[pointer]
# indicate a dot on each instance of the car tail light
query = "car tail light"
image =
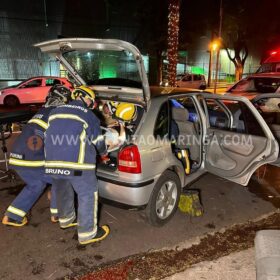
(129, 160)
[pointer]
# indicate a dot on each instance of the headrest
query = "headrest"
(180, 114)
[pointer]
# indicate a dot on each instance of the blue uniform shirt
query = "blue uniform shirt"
(28, 149)
(73, 139)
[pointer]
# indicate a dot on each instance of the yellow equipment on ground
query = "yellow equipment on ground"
(189, 203)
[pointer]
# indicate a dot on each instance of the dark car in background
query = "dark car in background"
(256, 84)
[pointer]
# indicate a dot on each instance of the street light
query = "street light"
(213, 46)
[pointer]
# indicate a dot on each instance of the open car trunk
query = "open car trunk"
(114, 68)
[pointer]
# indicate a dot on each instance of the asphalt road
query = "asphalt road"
(42, 250)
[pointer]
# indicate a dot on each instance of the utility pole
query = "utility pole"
(210, 47)
(220, 40)
(209, 68)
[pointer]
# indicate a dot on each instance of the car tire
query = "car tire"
(163, 205)
(11, 101)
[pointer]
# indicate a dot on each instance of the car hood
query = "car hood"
(126, 89)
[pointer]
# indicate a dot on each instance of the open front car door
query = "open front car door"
(237, 140)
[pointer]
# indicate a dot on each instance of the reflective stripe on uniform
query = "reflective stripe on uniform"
(68, 116)
(29, 163)
(67, 220)
(53, 211)
(91, 234)
(82, 147)
(71, 165)
(88, 234)
(16, 211)
(95, 209)
(98, 138)
(39, 122)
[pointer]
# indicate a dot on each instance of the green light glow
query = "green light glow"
(108, 67)
(197, 70)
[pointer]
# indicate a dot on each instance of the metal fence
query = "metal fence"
(224, 75)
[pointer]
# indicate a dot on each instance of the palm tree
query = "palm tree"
(172, 39)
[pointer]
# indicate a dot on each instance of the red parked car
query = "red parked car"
(33, 90)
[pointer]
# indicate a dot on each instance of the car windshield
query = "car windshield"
(257, 84)
(105, 67)
(267, 67)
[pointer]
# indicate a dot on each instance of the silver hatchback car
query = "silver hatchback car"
(222, 135)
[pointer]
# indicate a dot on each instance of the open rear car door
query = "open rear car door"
(268, 105)
(237, 139)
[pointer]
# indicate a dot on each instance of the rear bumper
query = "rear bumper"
(128, 193)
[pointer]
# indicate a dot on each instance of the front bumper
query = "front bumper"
(133, 194)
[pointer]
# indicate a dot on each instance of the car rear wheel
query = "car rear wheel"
(11, 101)
(164, 199)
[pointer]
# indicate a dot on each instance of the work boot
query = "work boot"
(102, 233)
(11, 222)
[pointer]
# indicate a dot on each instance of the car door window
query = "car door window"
(187, 78)
(162, 123)
(52, 82)
(232, 116)
(33, 83)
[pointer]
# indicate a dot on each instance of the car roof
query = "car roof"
(167, 91)
(265, 75)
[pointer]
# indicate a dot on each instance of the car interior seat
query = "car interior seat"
(186, 132)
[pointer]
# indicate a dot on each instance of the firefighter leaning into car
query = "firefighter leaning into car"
(72, 140)
(28, 159)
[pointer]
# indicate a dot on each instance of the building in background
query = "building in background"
(24, 23)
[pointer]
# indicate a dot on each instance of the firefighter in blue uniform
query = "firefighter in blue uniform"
(28, 159)
(73, 139)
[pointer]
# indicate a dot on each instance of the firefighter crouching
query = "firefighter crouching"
(72, 139)
(28, 159)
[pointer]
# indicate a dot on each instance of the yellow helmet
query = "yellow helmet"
(125, 112)
(83, 92)
(112, 105)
